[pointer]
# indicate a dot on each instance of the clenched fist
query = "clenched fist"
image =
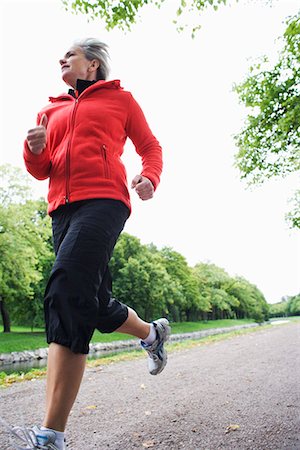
(37, 137)
(143, 187)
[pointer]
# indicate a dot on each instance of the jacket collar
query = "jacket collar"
(82, 85)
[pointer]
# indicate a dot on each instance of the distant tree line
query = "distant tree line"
(289, 306)
(160, 282)
(154, 282)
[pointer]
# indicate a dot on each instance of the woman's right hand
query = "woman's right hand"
(37, 137)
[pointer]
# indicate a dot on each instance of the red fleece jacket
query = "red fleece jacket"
(85, 142)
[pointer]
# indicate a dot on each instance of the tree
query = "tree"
(289, 306)
(127, 247)
(143, 284)
(279, 309)
(38, 236)
(293, 217)
(213, 284)
(26, 258)
(123, 13)
(140, 279)
(252, 303)
(14, 185)
(189, 304)
(269, 143)
(25, 249)
(293, 306)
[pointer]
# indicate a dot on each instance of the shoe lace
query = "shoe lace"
(24, 436)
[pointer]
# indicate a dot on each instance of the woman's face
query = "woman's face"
(74, 65)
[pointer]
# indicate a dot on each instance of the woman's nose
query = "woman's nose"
(62, 61)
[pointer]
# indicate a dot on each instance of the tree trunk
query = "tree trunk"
(5, 316)
(188, 315)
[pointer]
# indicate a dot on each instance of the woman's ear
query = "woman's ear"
(94, 65)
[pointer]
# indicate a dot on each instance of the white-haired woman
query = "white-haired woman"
(77, 144)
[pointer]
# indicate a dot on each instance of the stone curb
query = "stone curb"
(109, 347)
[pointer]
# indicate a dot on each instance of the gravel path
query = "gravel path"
(242, 393)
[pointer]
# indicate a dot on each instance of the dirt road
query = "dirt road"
(242, 393)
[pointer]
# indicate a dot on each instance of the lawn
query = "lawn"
(21, 338)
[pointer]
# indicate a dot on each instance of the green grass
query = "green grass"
(20, 329)
(21, 338)
(18, 341)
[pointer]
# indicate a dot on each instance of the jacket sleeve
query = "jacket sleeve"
(145, 143)
(37, 165)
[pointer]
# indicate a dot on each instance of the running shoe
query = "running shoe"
(157, 355)
(22, 438)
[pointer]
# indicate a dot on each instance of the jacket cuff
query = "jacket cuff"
(153, 178)
(32, 157)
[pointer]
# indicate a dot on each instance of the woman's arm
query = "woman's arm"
(145, 143)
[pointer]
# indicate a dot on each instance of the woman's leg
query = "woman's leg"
(135, 326)
(153, 336)
(64, 375)
(83, 248)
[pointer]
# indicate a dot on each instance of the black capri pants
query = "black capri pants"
(78, 296)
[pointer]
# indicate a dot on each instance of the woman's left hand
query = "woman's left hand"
(143, 187)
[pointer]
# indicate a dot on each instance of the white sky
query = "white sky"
(201, 209)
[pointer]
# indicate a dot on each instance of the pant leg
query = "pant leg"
(112, 313)
(86, 238)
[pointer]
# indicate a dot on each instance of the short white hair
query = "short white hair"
(95, 49)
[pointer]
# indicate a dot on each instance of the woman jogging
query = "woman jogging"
(77, 144)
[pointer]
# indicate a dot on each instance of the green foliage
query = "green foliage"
(293, 217)
(289, 306)
(212, 285)
(25, 248)
(269, 144)
(293, 306)
(160, 283)
(278, 309)
(251, 301)
(26, 257)
(230, 297)
(14, 186)
(140, 279)
(123, 14)
(188, 302)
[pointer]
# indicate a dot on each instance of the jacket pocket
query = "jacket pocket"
(105, 161)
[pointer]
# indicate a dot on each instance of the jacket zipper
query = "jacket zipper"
(67, 198)
(104, 154)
